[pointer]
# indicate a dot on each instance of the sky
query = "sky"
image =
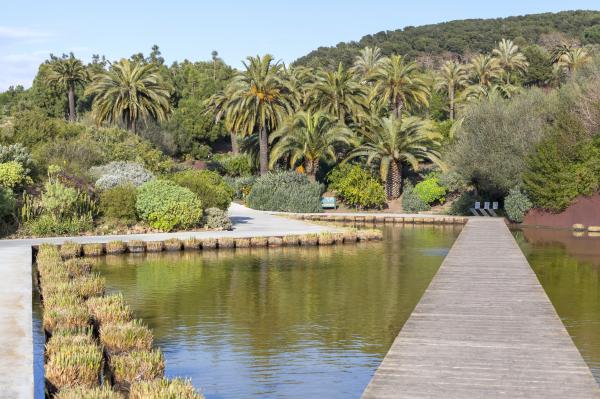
(31, 30)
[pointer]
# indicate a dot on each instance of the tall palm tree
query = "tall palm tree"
(338, 93)
(510, 58)
(571, 58)
(130, 92)
(220, 104)
(260, 99)
(369, 59)
(310, 137)
(394, 143)
(69, 72)
(452, 78)
(400, 84)
(485, 69)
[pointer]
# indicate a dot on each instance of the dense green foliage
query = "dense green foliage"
(167, 206)
(13, 175)
(286, 192)
(241, 186)
(233, 165)
(216, 219)
(118, 203)
(516, 205)
(7, 210)
(357, 187)
(462, 36)
(412, 202)
(430, 190)
(209, 186)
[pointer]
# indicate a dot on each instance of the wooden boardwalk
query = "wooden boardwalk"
(483, 329)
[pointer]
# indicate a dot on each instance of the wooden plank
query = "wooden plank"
(483, 329)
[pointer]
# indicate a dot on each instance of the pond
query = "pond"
(281, 322)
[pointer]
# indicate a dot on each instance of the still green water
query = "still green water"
(568, 266)
(285, 322)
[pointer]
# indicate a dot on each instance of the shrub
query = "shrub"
(234, 165)
(452, 181)
(209, 186)
(241, 185)
(13, 175)
(163, 389)
(411, 202)
(18, 153)
(119, 173)
(463, 204)
(516, 205)
(58, 200)
(166, 206)
(7, 210)
(286, 192)
(46, 225)
(357, 187)
(430, 191)
(119, 203)
(216, 219)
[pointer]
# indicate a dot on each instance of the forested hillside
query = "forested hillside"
(467, 36)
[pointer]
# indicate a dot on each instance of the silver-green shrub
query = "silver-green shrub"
(216, 219)
(516, 205)
(119, 173)
(285, 192)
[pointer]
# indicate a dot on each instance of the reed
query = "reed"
(309, 239)
(173, 244)
(192, 243)
(338, 238)
(292, 240)
(89, 286)
(70, 317)
(163, 388)
(124, 337)
(209, 243)
(70, 250)
(136, 246)
(350, 236)
(275, 241)
(259, 241)
(109, 309)
(116, 247)
(68, 338)
(126, 368)
(93, 249)
(154, 246)
(103, 392)
(226, 242)
(74, 365)
(77, 267)
(325, 239)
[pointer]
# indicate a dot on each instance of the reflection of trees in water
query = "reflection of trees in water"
(344, 296)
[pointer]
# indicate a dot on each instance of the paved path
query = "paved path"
(16, 343)
(483, 329)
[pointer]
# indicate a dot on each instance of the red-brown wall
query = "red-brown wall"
(585, 210)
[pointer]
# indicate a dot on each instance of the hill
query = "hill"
(462, 37)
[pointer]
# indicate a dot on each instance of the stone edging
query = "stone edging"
(382, 219)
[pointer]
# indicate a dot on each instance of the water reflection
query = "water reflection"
(286, 322)
(568, 268)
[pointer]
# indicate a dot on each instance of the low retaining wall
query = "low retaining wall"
(584, 211)
(382, 219)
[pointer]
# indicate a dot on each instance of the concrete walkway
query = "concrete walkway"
(483, 329)
(16, 342)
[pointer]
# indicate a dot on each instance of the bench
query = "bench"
(328, 203)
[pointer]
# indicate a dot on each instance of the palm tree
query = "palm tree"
(452, 78)
(571, 58)
(485, 69)
(394, 143)
(369, 59)
(310, 137)
(338, 93)
(259, 101)
(400, 84)
(220, 103)
(510, 58)
(69, 72)
(130, 92)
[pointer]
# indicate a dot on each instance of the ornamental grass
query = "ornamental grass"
(109, 309)
(67, 338)
(326, 239)
(226, 242)
(70, 250)
(292, 240)
(209, 243)
(154, 246)
(192, 243)
(74, 365)
(78, 267)
(71, 317)
(89, 286)
(136, 246)
(116, 247)
(103, 392)
(173, 244)
(259, 241)
(93, 249)
(309, 239)
(176, 388)
(124, 337)
(133, 366)
(57, 285)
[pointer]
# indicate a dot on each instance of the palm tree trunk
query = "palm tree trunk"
(451, 97)
(394, 180)
(71, 103)
(398, 104)
(263, 143)
(235, 147)
(311, 166)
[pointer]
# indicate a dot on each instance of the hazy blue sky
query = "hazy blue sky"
(30, 30)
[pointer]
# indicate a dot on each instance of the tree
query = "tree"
(400, 84)
(221, 104)
(310, 137)
(485, 69)
(369, 59)
(451, 78)
(130, 92)
(259, 101)
(539, 72)
(510, 58)
(394, 143)
(68, 72)
(338, 93)
(570, 58)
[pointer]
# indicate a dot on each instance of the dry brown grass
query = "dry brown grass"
(74, 365)
(103, 392)
(70, 250)
(109, 309)
(93, 249)
(154, 246)
(116, 247)
(124, 337)
(163, 389)
(173, 244)
(136, 366)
